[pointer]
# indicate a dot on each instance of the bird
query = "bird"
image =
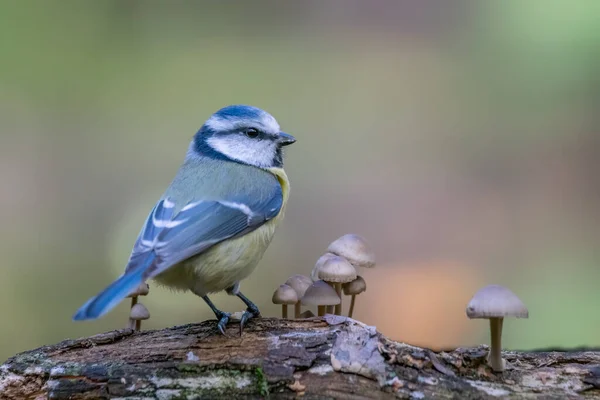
(212, 225)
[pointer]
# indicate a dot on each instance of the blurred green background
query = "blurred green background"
(460, 138)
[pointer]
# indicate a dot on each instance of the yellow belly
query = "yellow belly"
(228, 262)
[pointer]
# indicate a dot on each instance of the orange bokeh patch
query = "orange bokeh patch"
(421, 304)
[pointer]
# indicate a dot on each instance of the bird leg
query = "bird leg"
(222, 317)
(251, 312)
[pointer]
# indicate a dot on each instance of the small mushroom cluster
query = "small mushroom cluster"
(495, 303)
(334, 272)
(290, 293)
(138, 311)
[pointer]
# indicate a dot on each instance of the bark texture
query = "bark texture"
(317, 358)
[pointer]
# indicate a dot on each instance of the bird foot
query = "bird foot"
(251, 312)
(223, 318)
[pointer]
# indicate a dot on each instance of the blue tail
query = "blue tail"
(111, 296)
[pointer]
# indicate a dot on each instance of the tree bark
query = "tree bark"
(317, 358)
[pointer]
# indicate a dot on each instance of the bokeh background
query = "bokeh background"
(459, 137)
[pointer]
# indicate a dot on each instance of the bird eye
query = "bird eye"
(251, 132)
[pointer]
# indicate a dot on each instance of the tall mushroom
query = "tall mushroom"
(320, 294)
(496, 302)
(142, 290)
(335, 271)
(299, 283)
(137, 314)
(285, 295)
(353, 288)
(355, 249)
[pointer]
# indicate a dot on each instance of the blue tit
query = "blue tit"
(216, 219)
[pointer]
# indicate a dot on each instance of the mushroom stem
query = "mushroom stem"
(496, 348)
(297, 310)
(351, 306)
(284, 311)
(338, 290)
(132, 324)
(138, 325)
(329, 309)
(321, 310)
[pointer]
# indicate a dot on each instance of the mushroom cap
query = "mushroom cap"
(355, 249)
(299, 283)
(142, 290)
(357, 286)
(495, 301)
(139, 312)
(314, 275)
(320, 294)
(307, 314)
(337, 269)
(285, 295)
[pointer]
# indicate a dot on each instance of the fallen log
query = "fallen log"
(329, 357)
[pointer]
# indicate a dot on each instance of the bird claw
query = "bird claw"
(249, 313)
(223, 320)
(223, 317)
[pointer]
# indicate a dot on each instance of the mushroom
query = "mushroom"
(335, 271)
(320, 294)
(314, 275)
(285, 295)
(299, 283)
(355, 249)
(496, 302)
(353, 288)
(307, 314)
(142, 290)
(138, 313)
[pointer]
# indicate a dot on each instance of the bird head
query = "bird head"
(242, 134)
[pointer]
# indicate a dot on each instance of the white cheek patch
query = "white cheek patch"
(260, 153)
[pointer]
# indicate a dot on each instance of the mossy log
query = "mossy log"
(317, 358)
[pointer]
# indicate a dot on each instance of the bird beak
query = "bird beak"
(285, 139)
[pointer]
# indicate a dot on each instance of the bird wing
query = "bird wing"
(171, 235)
(174, 237)
(177, 236)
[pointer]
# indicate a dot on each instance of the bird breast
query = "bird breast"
(228, 262)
